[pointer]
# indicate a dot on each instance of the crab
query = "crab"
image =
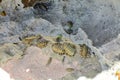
(60, 47)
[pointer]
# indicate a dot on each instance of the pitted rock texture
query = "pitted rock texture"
(94, 23)
(99, 19)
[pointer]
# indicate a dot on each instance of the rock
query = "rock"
(107, 74)
(93, 23)
(35, 61)
(9, 51)
(111, 50)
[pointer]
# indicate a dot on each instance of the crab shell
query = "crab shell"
(69, 48)
(29, 39)
(58, 48)
(42, 44)
(84, 51)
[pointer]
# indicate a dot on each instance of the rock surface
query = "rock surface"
(35, 61)
(112, 74)
(90, 22)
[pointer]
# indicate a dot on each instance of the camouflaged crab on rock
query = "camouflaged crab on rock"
(61, 48)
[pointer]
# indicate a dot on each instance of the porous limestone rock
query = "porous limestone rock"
(94, 23)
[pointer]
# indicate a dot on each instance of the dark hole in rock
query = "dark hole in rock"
(69, 31)
(18, 4)
(0, 1)
(42, 7)
(70, 24)
(68, 27)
